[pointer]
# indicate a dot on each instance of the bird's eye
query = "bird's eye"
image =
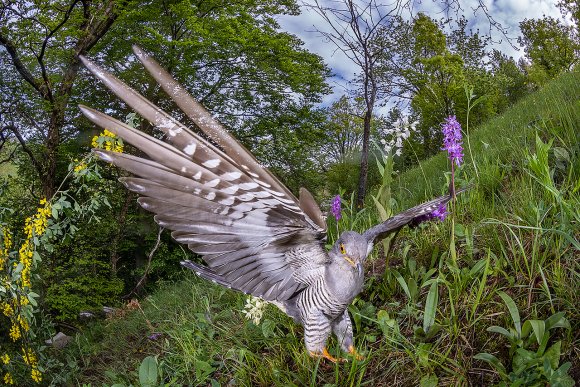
(342, 249)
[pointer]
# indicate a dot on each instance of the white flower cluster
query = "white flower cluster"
(401, 130)
(254, 309)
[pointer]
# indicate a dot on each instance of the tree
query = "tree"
(42, 41)
(427, 74)
(233, 57)
(344, 130)
(549, 45)
(354, 27)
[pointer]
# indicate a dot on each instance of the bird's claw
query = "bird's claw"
(324, 354)
(354, 353)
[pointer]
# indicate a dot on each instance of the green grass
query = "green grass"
(425, 317)
(7, 168)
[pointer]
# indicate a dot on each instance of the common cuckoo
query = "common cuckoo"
(254, 235)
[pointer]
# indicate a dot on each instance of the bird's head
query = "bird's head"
(351, 248)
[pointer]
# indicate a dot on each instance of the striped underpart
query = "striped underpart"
(321, 313)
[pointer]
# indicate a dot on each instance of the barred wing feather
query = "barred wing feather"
(253, 234)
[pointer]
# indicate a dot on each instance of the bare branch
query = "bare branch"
(40, 56)
(37, 165)
(141, 282)
(21, 68)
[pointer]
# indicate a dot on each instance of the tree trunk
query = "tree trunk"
(364, 160)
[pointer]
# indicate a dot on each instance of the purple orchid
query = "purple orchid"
(452, 140)
(335, 207)
(440, 213)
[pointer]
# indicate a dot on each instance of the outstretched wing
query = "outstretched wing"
(412, 216)
(217, 200)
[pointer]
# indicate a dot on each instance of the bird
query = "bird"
(253, 234)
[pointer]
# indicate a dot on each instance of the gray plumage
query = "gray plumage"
(254, 235)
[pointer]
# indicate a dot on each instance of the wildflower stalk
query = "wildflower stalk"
(470, 96)
(453, 145)
(336, 210)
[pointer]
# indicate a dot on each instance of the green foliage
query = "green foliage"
(549, 45)
(82, 279)
(422, 314)
(383, 200)
(234, 58)
(529, 367)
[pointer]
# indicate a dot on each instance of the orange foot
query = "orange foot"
(325, 355)
(354, 353)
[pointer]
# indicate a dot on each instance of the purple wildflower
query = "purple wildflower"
(154, 336)
(452, 140)
(335, 207)
(440, 213)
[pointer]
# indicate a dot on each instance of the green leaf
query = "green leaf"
(493, 361)
(557, 320)
(268, 327)
(429, 381)
(513, 309)
(433, 331)
(539, 328)
(459, 230)
(431, 307)
(560, 378)
(501, 331)
(413, 289)
(553, 354)
(561, 154)
(524, 359)
(148, 372)
(32, 299)
(382, 213)
(477, 267)
(402, 282)
(202, 370)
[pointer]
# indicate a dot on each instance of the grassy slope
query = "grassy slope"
(205, 336)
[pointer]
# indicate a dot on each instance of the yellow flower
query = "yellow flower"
(7, 244)
(36, 375)
(8, 378)
(5, 358)
(14, 332)
(23, 323)
(80, 167)
(109, 134)
(7, 309)
(108, 141)
(29, 357)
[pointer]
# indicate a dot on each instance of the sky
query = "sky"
(507, 12)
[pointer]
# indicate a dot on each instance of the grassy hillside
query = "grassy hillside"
(513, 256)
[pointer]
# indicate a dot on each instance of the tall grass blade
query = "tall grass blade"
(482, 283)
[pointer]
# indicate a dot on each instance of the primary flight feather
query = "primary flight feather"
(254, 235)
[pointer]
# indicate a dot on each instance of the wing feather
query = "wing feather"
(220, 202)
